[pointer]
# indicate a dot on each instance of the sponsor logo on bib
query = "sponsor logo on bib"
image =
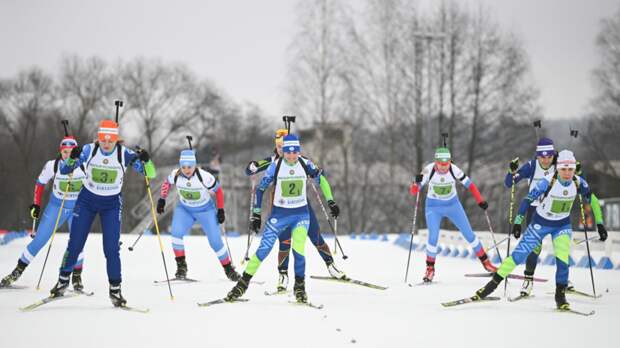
(105, 161)
(291, 172)
(188, 184)
(273, 220)
(565, 192)
(537, 226)
(442, 179)
(281, 201)
(546, 173)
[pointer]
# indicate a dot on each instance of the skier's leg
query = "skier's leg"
(182, 221)
(561, 246)
(300, 232)
(284, 250)
(210, 227)
(111, 228)
(456, 214)
(44, 232)
(314, 233)
(433, 221)
(532, 258)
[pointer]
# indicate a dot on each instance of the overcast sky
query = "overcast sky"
(242, 45)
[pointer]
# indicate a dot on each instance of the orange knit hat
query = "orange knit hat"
(108, 130)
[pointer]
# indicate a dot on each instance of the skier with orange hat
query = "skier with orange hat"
(105, 162)
(61, 186)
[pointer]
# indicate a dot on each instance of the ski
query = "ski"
(579, 293)
(519, 298)
(47, 300)
(82, 292)
(469, 300)
(511, 276)
(13, 287)
(134, 309)
(220, 301)
(307, 304)
(351, 281)
(179, 280)
(275, 293)
(573, 311)
(423, 283)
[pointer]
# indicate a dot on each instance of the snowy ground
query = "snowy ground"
(353, 316)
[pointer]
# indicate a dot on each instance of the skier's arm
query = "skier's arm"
(256, 167)
(67, 166)
(524, 172)
(533, 195)
(145, 168)
(262, 186)
(47, 173)
(596, 210)
(420, 180)
(467, 183)
(165, 187)
(214, 187)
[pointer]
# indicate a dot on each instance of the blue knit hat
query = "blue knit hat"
(291, 144)
(545, 147)
(188, 158)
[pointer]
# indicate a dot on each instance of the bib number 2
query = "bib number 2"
(291, 188)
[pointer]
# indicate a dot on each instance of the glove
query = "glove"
(161, 203)
(335, 211)
(516, 231)
(578, 168)
(516, 228)
(35, 212)
(414, 189)
(255, 222)
(419, 178)
(253, 167)
(75, 153)
(484, 205)
(143, 155)
(602, 232)
(221, 216)
(514, 165)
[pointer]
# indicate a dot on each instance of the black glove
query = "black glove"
(514, 165)
(484, 205)
(143, 155)
(255, 222)
(602, 232)
(221, 216)
(516, 230)
(35, 212)
(419, 178)
(335, 211)
(161, 203)
(75, 153)
(578, 168)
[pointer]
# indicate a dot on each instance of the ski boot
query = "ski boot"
(560, 297)
(116, 297)
(528, 284)
(335, 272)
(13, 276)
(300, 290)
(181, 268)
(430, 271)
(239, 289)
(486, 262)
(231, 274)
(570, 286)
(76, 280)
(490, 287)
(61, 286)
(282, 280)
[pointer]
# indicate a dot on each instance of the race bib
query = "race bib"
(190, 195)
(442, 190)
(74, 186)
(104, 176)
(560, 206)
(291, 188)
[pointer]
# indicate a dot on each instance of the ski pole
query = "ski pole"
(223, 231)
(335, 232)
(33, 232)
(585, 231)
(497, 245)
(62, 204)
(492, 233)
(510, 213)
(161, 245)
(250, 232)
(136, 241)
(413, 228)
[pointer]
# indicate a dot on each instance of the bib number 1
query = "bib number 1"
(560, 206)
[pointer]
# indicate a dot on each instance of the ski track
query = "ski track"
(396, 317)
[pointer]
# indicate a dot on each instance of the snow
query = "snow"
(353, 315)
